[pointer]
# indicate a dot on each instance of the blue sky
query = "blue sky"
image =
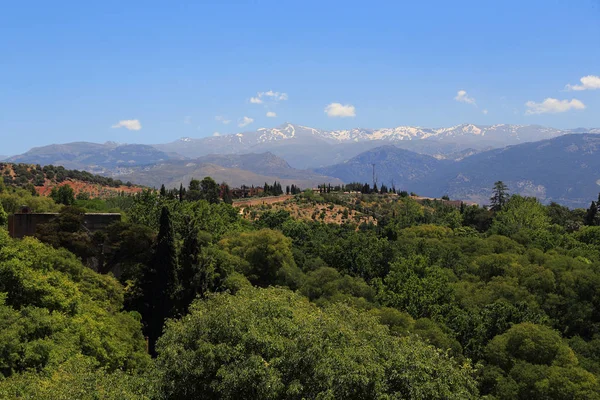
(76, 70)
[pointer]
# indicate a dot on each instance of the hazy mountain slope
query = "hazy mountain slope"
(565, 169)
(264, 163)
(402, 168)
(94, 157)
(171, 174)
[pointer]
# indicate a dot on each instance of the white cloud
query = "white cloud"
(269, 95)
(271, 114)
(340, 110)
(275, 95)
(187, 120)
(216, 134)
(245, 122)
(463, 97)
(485, 112)
(130, 124)
(589, 82)
(222, 119)
(553, 106)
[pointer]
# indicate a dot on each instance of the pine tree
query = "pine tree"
(499, 196)
(163, 191)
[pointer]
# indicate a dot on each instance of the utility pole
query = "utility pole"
(374, 179)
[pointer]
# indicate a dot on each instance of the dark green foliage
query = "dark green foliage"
(499, 196)
(272, 190)
(190, 269)
(63, 195)
(67, 230)
(3, 216)
(591, 216)
(158, 281)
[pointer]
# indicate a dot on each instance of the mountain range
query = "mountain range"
(565, 169)
(304, 147)
(462, 161)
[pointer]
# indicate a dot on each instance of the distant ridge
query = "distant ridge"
(93, 157)
(564, 169)
(236, 170)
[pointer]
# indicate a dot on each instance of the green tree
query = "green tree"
(63, 195)
(188, 283)
(268, 256)
(520, 214)
(532, 361)
(274, 344)
(3, 216)
(227, 195)
(194, 192)
(158, 281)
(591, 216)
(210, 190)
(499, 196)
(54, 310)
(79, 378)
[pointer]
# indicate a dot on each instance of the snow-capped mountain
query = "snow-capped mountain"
(502, 132)
(306, 147)
(301, 146)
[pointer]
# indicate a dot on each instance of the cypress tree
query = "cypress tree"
(227, 196)
(159, 281)
(189, 284)
(591, 214)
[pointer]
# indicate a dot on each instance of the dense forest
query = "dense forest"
(187, 298)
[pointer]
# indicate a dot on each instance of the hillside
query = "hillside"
(393, 167)
(42, 180)
(93, 157)
(565, 169)
(236, 170)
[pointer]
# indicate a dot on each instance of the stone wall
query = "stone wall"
(21, 225)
